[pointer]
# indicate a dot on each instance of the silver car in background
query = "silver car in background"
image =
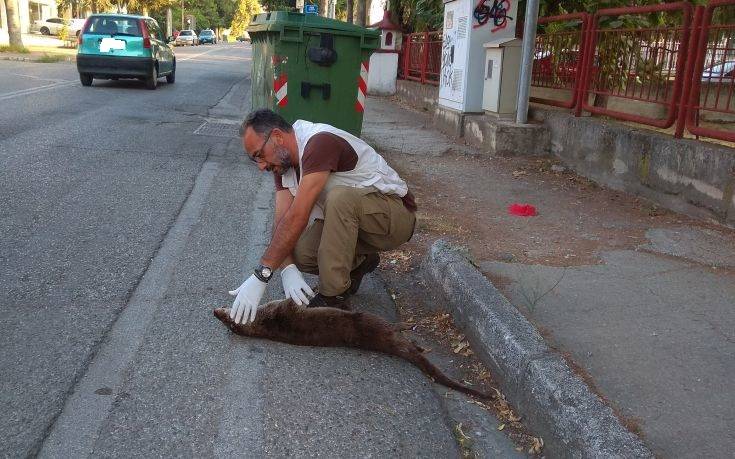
(186, 37)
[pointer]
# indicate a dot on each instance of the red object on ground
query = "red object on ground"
(522, 210)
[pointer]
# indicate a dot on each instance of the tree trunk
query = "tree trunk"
(13, 13)
(323, 8)
(361, 12)
(350, 11)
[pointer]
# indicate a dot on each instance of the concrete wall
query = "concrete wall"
(688, 176)
(421, 96)
(490, 134)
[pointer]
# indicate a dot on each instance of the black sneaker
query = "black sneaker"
(323, 301)
(368, 265)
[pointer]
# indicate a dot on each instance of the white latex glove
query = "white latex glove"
(294, 285)
(247, 296)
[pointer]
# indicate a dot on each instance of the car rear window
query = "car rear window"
(207, 32)
(115, 25)
(185, 32)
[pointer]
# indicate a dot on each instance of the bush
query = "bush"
(64, 32)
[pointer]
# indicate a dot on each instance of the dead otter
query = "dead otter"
(289, 323)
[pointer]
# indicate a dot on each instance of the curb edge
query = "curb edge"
(557, 404)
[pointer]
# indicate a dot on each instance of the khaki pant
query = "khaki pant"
(357, 222)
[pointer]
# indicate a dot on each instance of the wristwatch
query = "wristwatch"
(264, 273)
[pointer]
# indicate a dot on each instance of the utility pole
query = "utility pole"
(182, 15)
(529, 44)
(169, 22)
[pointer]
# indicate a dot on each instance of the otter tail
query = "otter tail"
(413, 354)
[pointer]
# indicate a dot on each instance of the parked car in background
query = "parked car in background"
(244, 37)
(724, 72)
(115, 46)
(52, 26)
(186, 37)
(207, 36)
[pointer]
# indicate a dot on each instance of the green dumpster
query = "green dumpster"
(312, 68)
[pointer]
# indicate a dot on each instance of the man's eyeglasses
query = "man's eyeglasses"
(259, 152)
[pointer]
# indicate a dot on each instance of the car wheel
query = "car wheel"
(77, 34)
(152, 81)
(86, 79)
(45, 31)
(171, 77)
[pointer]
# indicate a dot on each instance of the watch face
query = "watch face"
(266, 272)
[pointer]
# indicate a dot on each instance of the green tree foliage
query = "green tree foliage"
(278, 5)
(418, 15)
(421, 15)
(246, 9)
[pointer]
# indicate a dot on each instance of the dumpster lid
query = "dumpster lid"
(276, 20)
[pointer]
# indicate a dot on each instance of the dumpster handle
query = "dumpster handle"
(306, 88)
(293, 34)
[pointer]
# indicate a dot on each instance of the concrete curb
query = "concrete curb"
(13, 58)
(36, 58)
(556, 403)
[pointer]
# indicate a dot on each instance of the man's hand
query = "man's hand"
(294, 285)
(247, 296)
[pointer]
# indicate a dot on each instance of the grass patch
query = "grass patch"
(50, 58)
(14, 49)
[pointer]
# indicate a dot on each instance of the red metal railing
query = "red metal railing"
(420, 58)
(557, 62)
(712, 74)
(640, 64)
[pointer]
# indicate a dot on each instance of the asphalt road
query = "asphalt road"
(126, 215)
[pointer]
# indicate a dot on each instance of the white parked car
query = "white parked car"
(186, 37)
(52, 26)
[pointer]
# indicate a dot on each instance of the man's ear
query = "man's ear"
(277, 136)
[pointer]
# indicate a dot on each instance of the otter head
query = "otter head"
(267, 314)
(223, 314)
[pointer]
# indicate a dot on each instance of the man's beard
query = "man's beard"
(284, 158)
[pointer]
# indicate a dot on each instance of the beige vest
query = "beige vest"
(371, 169)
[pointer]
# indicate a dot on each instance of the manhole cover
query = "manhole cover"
(218, 129)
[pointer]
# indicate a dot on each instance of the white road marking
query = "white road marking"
(75, 431)
(25, 92)
(34, 77)
(200, 54)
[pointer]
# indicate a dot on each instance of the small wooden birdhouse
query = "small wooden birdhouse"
(390, 33)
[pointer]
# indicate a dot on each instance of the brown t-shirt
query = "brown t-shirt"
(328, 152)
(324, 152)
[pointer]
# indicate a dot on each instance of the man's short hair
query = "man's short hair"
(264, 120)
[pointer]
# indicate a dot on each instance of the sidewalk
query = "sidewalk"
(639, 298)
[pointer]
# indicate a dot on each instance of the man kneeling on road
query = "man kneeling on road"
(338, 203)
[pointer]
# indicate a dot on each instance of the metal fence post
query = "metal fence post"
(406, 55)
(424, 57)
(692, 54)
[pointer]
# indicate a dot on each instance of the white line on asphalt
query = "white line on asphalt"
(200, 54)
(75, 431)
(25, 92)
(34, 77)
